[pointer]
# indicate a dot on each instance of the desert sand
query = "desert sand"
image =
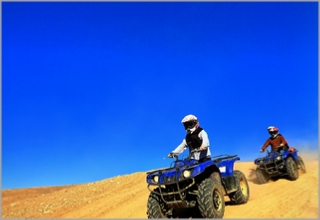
(126, 197)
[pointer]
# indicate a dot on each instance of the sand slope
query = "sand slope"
(126, 197)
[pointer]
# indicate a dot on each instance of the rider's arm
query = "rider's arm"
(181, 147)
(266, 144)
(283, 141)
(205, 140)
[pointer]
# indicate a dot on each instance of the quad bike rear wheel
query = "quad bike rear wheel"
(262, 176)
(156, 208)
(211, 199)
(291, 169)
(242, 194)
(301, 165)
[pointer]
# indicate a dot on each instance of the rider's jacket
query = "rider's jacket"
(275, 142)
(194, 142)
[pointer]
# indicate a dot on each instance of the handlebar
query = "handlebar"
(175, 156)
(277, 147)
(172, 155)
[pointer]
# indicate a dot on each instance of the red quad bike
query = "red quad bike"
(277, 164)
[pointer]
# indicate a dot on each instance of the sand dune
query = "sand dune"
(126, 197)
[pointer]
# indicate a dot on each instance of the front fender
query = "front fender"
(199, 168)
(226, 166)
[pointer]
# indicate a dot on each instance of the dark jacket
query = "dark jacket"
(193, 140)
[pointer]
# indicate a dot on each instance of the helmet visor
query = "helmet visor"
(189, 124)
(272, 132)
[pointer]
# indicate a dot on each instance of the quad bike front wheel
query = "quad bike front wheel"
(242, 194)
(301, 165)
(156, 208)
(262, 176)
(211, 199)
(292, 169)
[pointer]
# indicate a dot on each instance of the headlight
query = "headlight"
(156, 179)
(186, 173)
(278, 157)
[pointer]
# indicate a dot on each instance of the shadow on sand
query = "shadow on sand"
(194, 212)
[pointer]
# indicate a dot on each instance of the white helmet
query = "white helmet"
(190, 123)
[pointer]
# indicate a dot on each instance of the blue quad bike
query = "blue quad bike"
(277, 164)
(198, 186)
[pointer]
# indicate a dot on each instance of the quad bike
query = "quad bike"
(276, 164)
(200, 186)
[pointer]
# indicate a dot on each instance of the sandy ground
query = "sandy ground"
(126, 197)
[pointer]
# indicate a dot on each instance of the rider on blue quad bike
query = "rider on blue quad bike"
(277, 141)
(196, 138)
(281, 161)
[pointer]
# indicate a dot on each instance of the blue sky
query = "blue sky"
(95, 90)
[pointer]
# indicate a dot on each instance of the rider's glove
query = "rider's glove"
(170, 155)
(261, 150)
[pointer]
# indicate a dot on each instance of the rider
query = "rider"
(277, 141)
(196, 138)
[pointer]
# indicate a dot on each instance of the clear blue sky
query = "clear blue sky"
(95, 90)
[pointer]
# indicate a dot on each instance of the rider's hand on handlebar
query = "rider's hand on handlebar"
(170, 155)
(261, 151)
